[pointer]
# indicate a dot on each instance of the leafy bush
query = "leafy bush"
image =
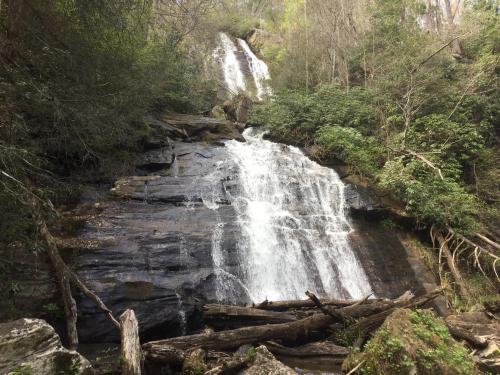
(296, 116)
(429, 198)
(362, 153)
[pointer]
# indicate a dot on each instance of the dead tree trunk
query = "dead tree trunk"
(232, 317)
(233, 339)
(62, 278)
(324, 354)
(457, 276)
(297, 304)
(131, 356)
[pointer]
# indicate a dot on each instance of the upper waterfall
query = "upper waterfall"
(259, 71)
(233, 75)
(243, 71)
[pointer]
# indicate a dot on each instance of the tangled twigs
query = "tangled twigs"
(452, 245)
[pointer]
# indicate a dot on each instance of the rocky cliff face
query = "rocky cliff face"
(153, 242)
(148, 243)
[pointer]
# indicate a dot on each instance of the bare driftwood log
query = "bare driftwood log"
(295, 331)
(324, 354)
(131, 356)
(233, 339)
(228, 316)
(298, 304)
(372, 322)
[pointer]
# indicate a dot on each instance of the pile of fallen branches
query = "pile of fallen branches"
(298, 332)
(453, 247)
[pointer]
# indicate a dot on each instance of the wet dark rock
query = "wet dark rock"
(156, 160)
(157, 253)
(238, 108)
(29, 284)
(197, 128)
(364, 202)
(32, 346)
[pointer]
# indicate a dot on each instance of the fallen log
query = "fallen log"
(228, 316)
(232, 317)
(130, 353)
(463, 334)
(295, 331)
(233, 339)
(307, 303)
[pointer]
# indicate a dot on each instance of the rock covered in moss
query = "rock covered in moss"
(413, 342)
(31, 346)
(194, 364)
(264, 363)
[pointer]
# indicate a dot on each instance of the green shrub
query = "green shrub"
(429, 198)
(362, 153)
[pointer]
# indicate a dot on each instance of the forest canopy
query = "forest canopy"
(400, 92)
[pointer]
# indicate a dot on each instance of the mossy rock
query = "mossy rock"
(413, 342)
(194, 364)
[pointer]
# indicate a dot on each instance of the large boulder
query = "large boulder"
(264, 363)
(32, 346)
(238, 108)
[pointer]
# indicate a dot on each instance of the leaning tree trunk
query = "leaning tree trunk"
(457, 276)
(62, 276)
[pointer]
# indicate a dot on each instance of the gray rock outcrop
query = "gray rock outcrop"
(32, 346)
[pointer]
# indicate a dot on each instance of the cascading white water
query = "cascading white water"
(294, 228)
(259, 71)
(226, 52)
(290, 210)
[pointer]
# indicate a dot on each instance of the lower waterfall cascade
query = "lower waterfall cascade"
(294, 228)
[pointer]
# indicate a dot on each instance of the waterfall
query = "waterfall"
(235, 60)
(294, 229)
(181, 314)
(226, 53)
(259, 71)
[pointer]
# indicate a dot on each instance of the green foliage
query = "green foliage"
(23, 370)
(362, 153)
(251, 353)
(294, 116)
(450, 141)
(76, 79)
(429, 198)
(413, 342)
